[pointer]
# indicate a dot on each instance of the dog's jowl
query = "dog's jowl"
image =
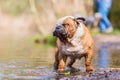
(74, 41)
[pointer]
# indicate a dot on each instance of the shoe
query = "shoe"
(109, 29)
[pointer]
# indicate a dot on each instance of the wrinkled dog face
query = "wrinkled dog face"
(65, 28)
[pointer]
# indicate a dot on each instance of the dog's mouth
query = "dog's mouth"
(62, 35)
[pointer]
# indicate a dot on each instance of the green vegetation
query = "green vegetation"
(115, 14)
(95, 32)
(115, 31)
(45, 39)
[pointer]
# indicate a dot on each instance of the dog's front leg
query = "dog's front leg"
(56, 63)
(62, 62)
(88, 60)
(72, 60)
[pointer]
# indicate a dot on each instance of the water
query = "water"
(24, 60)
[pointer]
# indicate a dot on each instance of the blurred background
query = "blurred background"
(27, 46)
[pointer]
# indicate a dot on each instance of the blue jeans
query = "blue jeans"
(104, 22)
(103, 8)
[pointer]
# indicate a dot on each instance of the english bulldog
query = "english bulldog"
(74, 41)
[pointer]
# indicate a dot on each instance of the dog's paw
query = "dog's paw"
(89, 68)
(61, 70)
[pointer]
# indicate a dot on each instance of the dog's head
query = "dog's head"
(66, 27)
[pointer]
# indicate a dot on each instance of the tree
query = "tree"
(36, 15)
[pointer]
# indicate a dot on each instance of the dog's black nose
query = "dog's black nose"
(54, 33)
(58, 27)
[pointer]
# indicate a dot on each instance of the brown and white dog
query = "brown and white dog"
(74, 41)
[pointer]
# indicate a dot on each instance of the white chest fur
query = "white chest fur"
(70, 50)
(76, 47)
(76, 38)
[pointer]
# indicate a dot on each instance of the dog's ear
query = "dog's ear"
(79, 19)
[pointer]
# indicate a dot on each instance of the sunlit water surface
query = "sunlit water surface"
(25, 60)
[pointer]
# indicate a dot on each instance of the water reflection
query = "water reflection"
(11, 70)
(104, 56)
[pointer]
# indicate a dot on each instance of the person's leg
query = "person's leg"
(107, 21)
(105, 17)
(102, 26)
(105, 24)
(97, 3)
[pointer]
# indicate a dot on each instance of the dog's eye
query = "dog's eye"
(65, 25)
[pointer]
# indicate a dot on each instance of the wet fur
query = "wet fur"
(79, 44)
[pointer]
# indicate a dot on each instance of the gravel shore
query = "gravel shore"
(99, 74)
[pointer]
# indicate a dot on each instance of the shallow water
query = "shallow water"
(25, 60)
